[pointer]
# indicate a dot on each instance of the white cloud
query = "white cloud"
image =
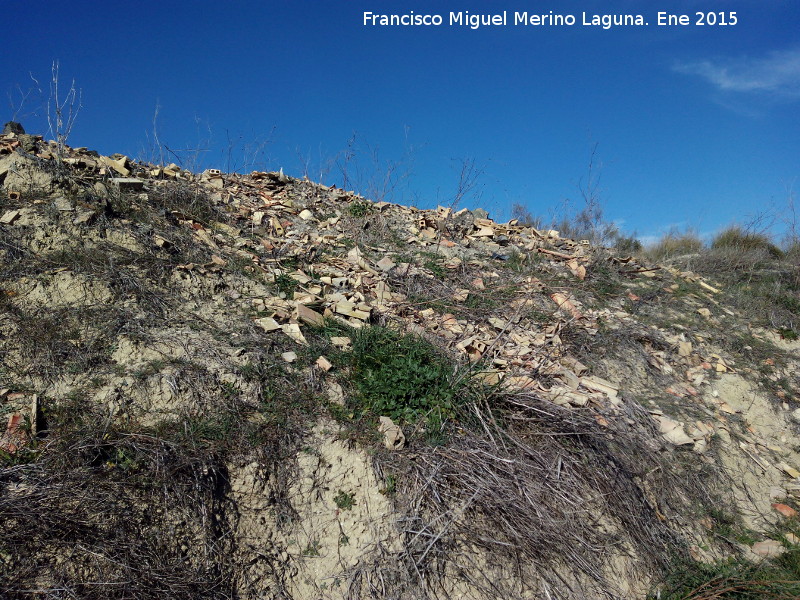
(778, 73)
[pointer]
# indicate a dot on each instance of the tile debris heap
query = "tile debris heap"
(274, 218)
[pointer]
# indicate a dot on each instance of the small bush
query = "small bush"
(739, 239)
(525, 217)
(433, 262)
(360, 208)
(628, 244)
(676, 244)
(403, 376)
(792, 251)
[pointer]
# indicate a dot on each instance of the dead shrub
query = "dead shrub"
(675, 244)
(528, 488)
(741, 240)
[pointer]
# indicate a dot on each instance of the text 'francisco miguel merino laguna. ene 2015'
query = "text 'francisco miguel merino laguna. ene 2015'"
(505, 18)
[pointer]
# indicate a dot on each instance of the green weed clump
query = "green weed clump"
(778, 579)
(344, 500)
(360, 208)
(403, 376)
(775, 578)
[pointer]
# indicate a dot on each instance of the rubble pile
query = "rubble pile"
(329, 253)
(274, 218)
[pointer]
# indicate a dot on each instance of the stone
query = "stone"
(309, 316)
(386, 264)
(768, 548)
(393, 437)
(324, 364)
(13, 127)
(127, 184)
(27, 143)
(268, 324)
(9, 217)
(673, 432)
(335, 393)
(19, 173)
(119, 164)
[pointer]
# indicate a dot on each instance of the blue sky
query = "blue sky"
(695, 126)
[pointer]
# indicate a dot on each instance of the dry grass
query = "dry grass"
(543, 488)
(742, 240)
(102, 508)
(90, 519)
(675, 244)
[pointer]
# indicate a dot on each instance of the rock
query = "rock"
(309, 316)
(324, 364)
(27, 143)
(9, 217)
(386, 264)
(119, 165)
(83, 217)
(335, 393)
(13, 127)
(61, 204)
(393, 436)
(768, 548)
(127, 184)
(673, 432)
(22, 173)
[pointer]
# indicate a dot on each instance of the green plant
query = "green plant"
(403, 376)
(150, 368)
(344, 500)
(603, 280)
(391, 486)
(286, 284)
(734, 578)
(435, 267)
(312, 549)
(229, 390)
(360, 208)
(742, 240)
(628, 244)
(517, 261)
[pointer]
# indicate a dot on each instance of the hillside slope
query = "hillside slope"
(254, 386)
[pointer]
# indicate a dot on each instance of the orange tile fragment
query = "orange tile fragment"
(785, 510)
